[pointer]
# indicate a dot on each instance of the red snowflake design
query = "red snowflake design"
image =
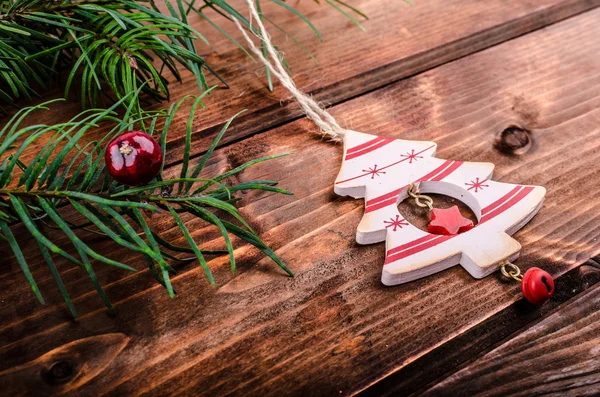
(396, 223)
(476, 184)
(374, 171)
(412, 156)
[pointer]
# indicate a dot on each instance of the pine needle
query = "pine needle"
(110, 48)
(36, 193)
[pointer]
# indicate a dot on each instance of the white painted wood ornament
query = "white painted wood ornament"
(386, 171)
(380, 170)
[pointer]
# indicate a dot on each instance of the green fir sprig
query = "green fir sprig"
(67, 172)
(92, 45)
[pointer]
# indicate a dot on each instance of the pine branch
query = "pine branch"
(121, 45)
(66, 172)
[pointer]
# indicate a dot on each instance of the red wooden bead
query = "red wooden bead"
(133, 158)
(537, 286)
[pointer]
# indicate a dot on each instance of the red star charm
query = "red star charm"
(448, 221)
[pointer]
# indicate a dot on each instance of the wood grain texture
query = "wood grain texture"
(408, 39)
(334, 328)
(65, 368)
(417, 377)
(559, 356)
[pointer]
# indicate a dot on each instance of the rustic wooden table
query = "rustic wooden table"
(456, 72)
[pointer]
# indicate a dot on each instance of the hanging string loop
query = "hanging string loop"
(313, 110)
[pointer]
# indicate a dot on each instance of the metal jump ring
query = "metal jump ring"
(514, 272)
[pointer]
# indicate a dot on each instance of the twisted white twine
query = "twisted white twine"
(325, 121)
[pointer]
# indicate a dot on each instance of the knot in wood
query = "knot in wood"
(514, 140)
(59, 372)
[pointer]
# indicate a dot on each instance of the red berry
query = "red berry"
(537, 286)
(133, 158)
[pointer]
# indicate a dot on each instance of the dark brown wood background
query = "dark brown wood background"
(460, 73)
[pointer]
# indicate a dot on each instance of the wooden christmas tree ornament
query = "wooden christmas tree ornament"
(385, 171)
(381, 170)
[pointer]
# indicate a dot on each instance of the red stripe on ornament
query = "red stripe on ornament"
(365, 145)
(382, 204)
(430, 243)
(446, 172)
(500, 201)
(514, 200)
(385, 197)
(376, 145)
(411, 244)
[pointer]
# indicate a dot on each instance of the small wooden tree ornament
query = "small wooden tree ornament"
(380, 170)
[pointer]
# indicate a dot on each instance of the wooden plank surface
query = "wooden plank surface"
(408, 39)
(333, 327)
(434, 367)
(558, 356)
